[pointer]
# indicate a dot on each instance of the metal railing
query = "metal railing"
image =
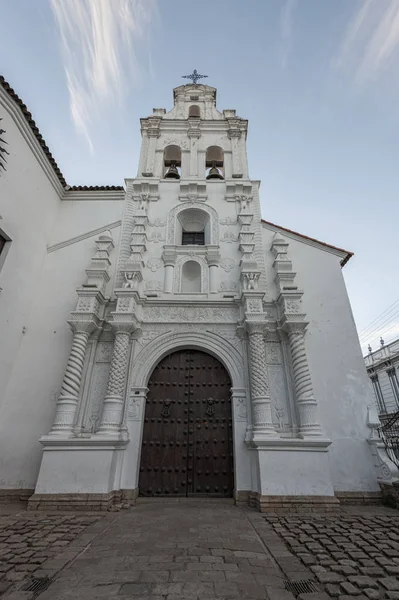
(389, 433)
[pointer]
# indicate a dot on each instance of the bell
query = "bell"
(214, 172)
(172, 172)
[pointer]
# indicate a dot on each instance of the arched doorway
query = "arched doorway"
(187, 447)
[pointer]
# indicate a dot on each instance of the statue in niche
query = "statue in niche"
(142, 202)
(244, 202)
(251, 280)
(129, 280)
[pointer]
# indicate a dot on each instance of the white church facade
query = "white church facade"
(161, 339)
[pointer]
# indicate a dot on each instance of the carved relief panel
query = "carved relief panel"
(98, 385)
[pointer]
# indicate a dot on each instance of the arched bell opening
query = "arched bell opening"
(187, 447)
(194, 111)
(172, 162)
(193, 228)
(214, 163)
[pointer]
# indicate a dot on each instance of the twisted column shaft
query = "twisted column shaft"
(68, 398)
(112, 415)
(260, 391)
(305, 399)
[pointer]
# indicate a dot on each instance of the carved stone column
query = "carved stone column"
(113, 407)
(69, 396)
(169, 258)
(306, 402)
(213, 258)
(235, 135)
(194, 133)
(263, 427)
(153, 133)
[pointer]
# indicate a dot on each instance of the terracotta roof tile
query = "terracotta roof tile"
(79, 188)
(306, 237)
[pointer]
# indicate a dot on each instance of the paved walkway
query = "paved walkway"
(192, 549)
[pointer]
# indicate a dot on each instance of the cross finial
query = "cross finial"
(195, 76)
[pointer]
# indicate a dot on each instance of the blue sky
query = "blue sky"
(317, 80)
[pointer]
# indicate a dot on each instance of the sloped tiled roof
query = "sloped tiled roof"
(307, 237)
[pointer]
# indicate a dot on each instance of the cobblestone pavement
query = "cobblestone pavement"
(27, 540)
(192, 549)
(353, 555)
(175, 551)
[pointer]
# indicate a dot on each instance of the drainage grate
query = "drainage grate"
(36, 585)
(305, 586)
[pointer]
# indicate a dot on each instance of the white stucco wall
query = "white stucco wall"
(336, 364)
(38, 293)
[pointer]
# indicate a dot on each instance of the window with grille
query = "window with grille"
(193, 238)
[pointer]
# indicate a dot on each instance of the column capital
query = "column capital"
(84, 326)
(291, 324)
(122, 326)
(255, 327)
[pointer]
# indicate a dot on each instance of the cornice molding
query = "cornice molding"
(83, 236)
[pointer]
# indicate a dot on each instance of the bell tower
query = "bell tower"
(192, 202)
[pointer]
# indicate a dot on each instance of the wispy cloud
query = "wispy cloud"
(371, 42)
(100, 42)
(286, 29)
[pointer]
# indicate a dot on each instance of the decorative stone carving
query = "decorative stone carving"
(134, 409)
(260, 392)
(157, 223)
(156, 237)
(254, 305)
(182, 314)
(84, 305)
(244, 201)
(98, 388)
(250, 280)
(154, 264)
(293, 306)
(103, 352)
(229, 335)
(305, 399)
(153, 285)
(227, 264)
(70, 389)
(124, 305)
(174, 141)
(228, 286)
(229, 237)
(130, 280)
(112, 416)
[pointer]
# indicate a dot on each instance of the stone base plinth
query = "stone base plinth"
(15, 495)
(294, 504)
(359, 497)
(83, 502)
(74, 502)
(390, 494)
(241, 497)
(79, 468)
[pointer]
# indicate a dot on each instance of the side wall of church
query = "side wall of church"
(336, 364)
(38, 286)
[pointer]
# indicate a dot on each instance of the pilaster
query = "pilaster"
(293, 322)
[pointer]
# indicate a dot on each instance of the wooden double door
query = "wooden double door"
(187, 447)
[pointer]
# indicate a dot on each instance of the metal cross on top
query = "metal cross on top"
(195, 76)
